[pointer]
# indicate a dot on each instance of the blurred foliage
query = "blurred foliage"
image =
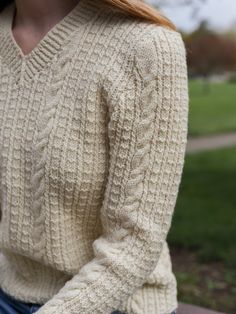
(209, 52)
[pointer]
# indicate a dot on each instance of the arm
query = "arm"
(147, 137)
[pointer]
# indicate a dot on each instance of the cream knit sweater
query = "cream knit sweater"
(93, 129)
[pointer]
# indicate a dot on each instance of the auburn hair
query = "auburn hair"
(135, 8)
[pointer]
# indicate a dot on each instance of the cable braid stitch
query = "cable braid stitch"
(45, 126)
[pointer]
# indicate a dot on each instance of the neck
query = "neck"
(40, 14)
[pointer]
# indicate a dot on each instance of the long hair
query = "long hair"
(135, 8)
(142, 10)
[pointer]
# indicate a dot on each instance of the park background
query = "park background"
(202, 235)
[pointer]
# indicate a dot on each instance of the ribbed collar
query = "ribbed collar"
(49, 45)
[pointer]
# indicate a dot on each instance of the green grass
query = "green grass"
(214, 111)
(205, 214)
(208, 285)
(202, 235)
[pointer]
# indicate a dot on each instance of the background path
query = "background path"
(211, 142)
(191, 309)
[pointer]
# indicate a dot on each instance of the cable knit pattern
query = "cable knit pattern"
(44, 130)
(93, 131)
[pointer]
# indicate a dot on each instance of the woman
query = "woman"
(93, 129)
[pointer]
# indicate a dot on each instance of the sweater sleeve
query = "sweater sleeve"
(147, 135)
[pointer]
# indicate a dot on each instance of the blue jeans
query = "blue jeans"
(10, 305)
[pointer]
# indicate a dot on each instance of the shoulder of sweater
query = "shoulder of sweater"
(159, 50)
(145, 43)
(133, 29)
(131, 49)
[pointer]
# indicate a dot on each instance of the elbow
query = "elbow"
(145, 250)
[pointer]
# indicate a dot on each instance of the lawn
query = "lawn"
(213, 111)
(202, 235)
(205, 216)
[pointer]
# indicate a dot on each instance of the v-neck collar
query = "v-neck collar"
(49, 45)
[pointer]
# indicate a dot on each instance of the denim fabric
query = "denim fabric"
(10, 305)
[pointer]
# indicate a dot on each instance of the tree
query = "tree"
(209, 52)
(231, 31)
